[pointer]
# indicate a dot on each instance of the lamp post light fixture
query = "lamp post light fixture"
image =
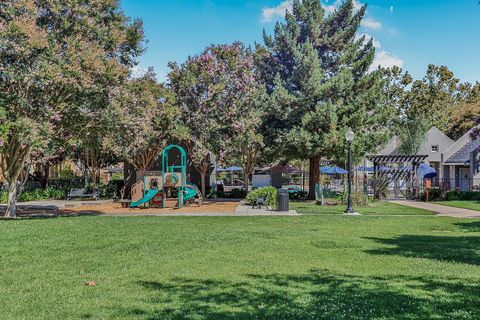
(349, 136)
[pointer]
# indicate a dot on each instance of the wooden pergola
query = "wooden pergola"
(393, 168)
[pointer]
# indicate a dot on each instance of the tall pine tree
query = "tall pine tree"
(317, 71)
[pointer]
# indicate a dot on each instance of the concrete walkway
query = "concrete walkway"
(440, 210)
(246, 210)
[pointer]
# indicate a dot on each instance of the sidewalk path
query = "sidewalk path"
(246, 210)
(440, 210)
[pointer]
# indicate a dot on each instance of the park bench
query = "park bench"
(82, 194)
(262, 202)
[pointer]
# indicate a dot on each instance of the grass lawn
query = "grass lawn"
(307, 267)
(375, 208)
(467, 204)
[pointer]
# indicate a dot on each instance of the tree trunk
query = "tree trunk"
(46, 173)
(11, 211)
(246, 181)
(202, 183)
(314, 176)
(23, 180)
(14, 157)
(94, 178)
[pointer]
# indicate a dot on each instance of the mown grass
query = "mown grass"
(307, 267)
(466, 204)
(374, 208)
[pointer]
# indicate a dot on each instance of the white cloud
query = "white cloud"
(371, 23)
(270, 13)
(356, 5)
(385, 59)
(376, 43)
(329, 8)
(382, 58)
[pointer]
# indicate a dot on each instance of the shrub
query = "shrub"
(262, 192)
(67, 173)
(3, 197)
(67, 184)
(212, 194)
(359, 199)
(433, 195)
(105, 190)
(238, 194)
(35, 195)
(462, 195)
(298, 195)
(53, 193)
(327, 193)
(234, 194)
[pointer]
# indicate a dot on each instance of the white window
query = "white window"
(435, 148)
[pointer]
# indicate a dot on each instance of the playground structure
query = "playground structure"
(154, 190)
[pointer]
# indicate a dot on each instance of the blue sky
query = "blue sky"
(408, 33)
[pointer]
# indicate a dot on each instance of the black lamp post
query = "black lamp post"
(349, 136)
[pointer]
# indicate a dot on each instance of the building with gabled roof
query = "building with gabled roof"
(460, 164)
(457, 162)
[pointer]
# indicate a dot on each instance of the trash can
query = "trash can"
(282, 200)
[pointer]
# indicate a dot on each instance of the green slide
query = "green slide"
(190, 193)
(149, 196)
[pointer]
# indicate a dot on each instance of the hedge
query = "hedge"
(35, 195)
(262, 192)
(462, 195)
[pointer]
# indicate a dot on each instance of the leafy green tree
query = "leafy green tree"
(317, 72)
(246, 145)
(210, 89)
(439, 99)
(143, 119)
(409, 127)
(436, 97)
(58, 60)
(464, 119)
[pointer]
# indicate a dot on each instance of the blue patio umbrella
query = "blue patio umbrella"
(424, 171)
(325, 169)
(233, 169)
(219, 169)
(367, 169)
(336, 170)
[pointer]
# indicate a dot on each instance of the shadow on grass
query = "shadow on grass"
(316, 295)
(469, 226)
(461, 249)
(46, 214)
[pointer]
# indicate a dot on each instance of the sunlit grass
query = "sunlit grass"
(374, 208)
(307, 267)
(466, 204)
